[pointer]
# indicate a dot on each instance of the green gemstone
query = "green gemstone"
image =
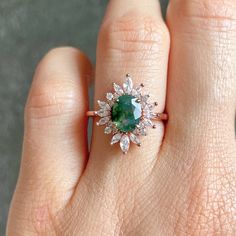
(126, 113)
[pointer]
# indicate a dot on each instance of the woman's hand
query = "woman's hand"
(182, 181)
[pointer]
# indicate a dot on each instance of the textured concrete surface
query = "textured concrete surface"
(28, 29)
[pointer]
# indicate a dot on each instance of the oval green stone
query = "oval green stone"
(126, 113)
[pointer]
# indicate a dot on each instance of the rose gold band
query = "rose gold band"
(158, 116)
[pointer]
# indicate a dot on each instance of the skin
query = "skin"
(182, 180)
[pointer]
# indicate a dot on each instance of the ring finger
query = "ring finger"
(133, 39)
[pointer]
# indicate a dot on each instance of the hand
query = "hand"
(182, 180)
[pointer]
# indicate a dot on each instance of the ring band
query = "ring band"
(126, 114)
(157, 116)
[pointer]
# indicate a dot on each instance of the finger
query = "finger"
(197, 163)
(202, 85)
(55, 141)
(133, 39)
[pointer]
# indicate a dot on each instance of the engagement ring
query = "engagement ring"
(126, 114)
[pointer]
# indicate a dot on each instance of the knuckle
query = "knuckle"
(50, 100)
(54, 98)
(218, 15)
(54, 90)
(134, 34)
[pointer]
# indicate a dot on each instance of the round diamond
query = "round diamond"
(126, 113)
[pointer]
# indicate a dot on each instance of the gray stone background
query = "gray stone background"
(28, 29)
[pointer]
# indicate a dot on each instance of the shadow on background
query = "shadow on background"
(28, 30)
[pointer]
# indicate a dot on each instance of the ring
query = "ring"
(126, 114)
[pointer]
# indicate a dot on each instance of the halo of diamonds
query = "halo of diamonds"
(125, 138)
